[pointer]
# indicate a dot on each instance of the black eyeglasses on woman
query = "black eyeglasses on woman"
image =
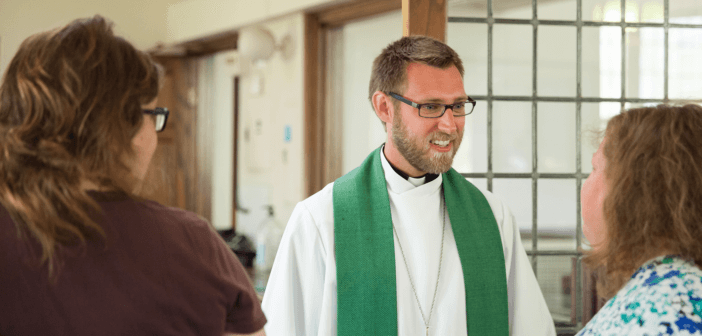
(160, 117)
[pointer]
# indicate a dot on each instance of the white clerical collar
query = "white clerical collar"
(398, 184)
(416, 181)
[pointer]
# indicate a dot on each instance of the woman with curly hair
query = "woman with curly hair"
(80, 253)
(642, 214)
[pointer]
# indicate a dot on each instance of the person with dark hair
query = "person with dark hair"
(403, 244)
(642, 206)
(80, 253)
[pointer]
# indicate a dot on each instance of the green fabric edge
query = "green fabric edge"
(474, 225)
(365, 277)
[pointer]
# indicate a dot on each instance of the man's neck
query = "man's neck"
(428, 177)
(399, 163)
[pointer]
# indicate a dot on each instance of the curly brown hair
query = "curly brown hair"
(70, 104)
(389, 72)
(654, 201)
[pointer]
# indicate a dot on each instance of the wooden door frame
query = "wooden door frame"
(235, 156)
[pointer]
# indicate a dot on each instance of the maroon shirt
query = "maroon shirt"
(159, 271)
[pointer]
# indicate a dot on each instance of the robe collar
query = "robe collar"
(399, 184)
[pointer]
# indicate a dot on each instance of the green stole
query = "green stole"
(365, 254)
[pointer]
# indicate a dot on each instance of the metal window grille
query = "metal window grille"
(578, 99)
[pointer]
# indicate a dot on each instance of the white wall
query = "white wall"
(270, 167)
(193, 19)
(141, 22)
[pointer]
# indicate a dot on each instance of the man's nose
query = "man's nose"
(447, 122)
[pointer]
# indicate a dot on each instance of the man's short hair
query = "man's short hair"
(389, 72)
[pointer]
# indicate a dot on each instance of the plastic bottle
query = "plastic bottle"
(268, 237)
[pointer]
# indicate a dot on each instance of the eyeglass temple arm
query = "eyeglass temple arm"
(405, 100)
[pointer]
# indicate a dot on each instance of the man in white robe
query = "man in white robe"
(301, 295)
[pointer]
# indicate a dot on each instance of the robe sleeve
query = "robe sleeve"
(528, 313)
(294, 299)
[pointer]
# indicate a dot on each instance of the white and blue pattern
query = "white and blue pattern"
(663, 297)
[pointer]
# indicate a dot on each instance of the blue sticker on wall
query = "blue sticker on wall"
(288, 134)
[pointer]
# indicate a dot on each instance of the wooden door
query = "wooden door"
(176, 177)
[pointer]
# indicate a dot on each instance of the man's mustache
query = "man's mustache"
(441, 136)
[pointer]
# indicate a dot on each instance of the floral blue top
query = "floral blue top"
(663, 297)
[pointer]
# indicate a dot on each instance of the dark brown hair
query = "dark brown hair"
(389, 72)
(654, 201)
(70, 104)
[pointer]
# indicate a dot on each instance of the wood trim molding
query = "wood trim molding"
(235, 155)
(342, 14)
(200, 47)
(314, 113)
(333, 105)
(424, 17)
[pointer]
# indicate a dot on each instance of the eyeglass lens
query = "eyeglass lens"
(431, 110)
(159, 122)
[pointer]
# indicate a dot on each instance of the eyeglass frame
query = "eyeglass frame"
(446, 106)
(159, 111)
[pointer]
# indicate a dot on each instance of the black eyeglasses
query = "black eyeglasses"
(433, 110)
(160, 117)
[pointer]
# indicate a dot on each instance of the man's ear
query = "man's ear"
(383, 107)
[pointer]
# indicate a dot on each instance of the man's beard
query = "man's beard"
(415, 150)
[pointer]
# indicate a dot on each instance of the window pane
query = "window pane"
(610, 69)
(510, 9)
(516, 193)
(556, 142)
(512, 61)
(556, 214)
(591, 62)
(636, 11)
(467, 9)
(591, 128)
(608, 11)
(652, 11)
(470, 42)
(511, 142)
(557, 10)
(685, 11)
(481, 183)
(554, 274)
(685, 52)
(556, 61)
(628, 106)
(646, 57)
(602, 63)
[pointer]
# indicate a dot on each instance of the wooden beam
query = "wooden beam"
(424, 17)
